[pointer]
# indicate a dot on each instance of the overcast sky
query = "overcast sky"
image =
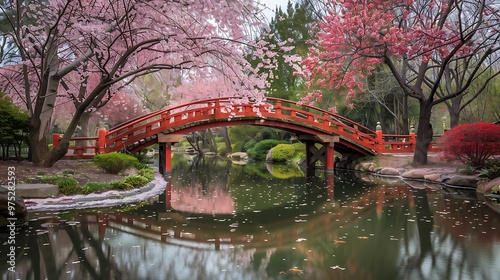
(271, 4)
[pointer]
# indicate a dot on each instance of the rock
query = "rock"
(462, 180)
(415, 174)
(365, 166)
(19, 210)
(486, 187)
(433, 177)
(37, 190)
(389, 171)
(239, 156)
(269, 156)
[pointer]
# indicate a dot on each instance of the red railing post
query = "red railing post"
(101, 140)
(55, 139)
(413, 138)
(380, 138)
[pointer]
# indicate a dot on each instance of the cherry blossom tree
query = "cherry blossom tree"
(106, 44)
(435, 49)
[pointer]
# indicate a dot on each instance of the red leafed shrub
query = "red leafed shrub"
(472, 143)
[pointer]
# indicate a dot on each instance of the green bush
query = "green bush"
(491, 170)
(114, 162)
(136, 180)
(495, 190)
(283, 153)
(249, 145)
(259, 151)
(148, 173)
(130, 182)
(67, 186)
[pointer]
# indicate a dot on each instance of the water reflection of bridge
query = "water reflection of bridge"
(221, 232)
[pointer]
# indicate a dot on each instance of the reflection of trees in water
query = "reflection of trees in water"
(202, 187)
(62, 251)
(446, 247)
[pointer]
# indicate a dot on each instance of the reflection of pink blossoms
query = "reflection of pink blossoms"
(193, 200)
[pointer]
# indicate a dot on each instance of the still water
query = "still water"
(218, 220)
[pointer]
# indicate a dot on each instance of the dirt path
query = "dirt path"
(84, 171)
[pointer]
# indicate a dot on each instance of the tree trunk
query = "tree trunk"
(454, 111)
(227, 141)
(405, 117)
(424, 133)
(38, 141)
(84, 130)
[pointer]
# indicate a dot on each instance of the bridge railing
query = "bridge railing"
(145, 128)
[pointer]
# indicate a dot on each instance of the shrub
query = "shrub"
(148, 173)
(283, 153)
(472, 143)
(490, 170)
(136, 180)
(114, 162)
(130, 182)
(259, 151)
(495, 190)
(67, 185)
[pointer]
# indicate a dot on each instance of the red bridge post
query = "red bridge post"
(55, 139)
(380, 138)
(101, 140)
(165, 142)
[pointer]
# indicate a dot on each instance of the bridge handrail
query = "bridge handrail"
(200, 112)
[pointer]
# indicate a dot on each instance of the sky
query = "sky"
(271, 4)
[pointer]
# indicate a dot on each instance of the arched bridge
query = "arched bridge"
(311, 125)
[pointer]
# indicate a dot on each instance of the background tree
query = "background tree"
(294, 24)
(13, 127)
(425, 44)
(115, 42)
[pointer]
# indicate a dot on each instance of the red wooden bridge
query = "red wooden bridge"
(311, 125)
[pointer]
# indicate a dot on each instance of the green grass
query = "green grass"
(93, 187)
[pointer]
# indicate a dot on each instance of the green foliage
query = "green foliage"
(221, 148)
(136, 180)
(288, 152)
(114, 162)
(286, 170)
(472, 143)
(13, 125)
(68, 172)
(249, 144)
(260, 150)
(121, 185)
(495, 190)
(67, 185)
(283, 152)
(491, 170)
(92, 187)
(148, 173)
(130, 182)
(295, 23)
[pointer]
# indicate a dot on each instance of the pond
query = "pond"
(218, 220)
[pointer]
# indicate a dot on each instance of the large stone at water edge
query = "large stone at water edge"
(462, 180)
(389, 171)
(19, 210)
(37, 190)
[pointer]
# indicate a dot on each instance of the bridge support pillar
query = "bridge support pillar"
(165, 144)
(325, 154)
(165, 158)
